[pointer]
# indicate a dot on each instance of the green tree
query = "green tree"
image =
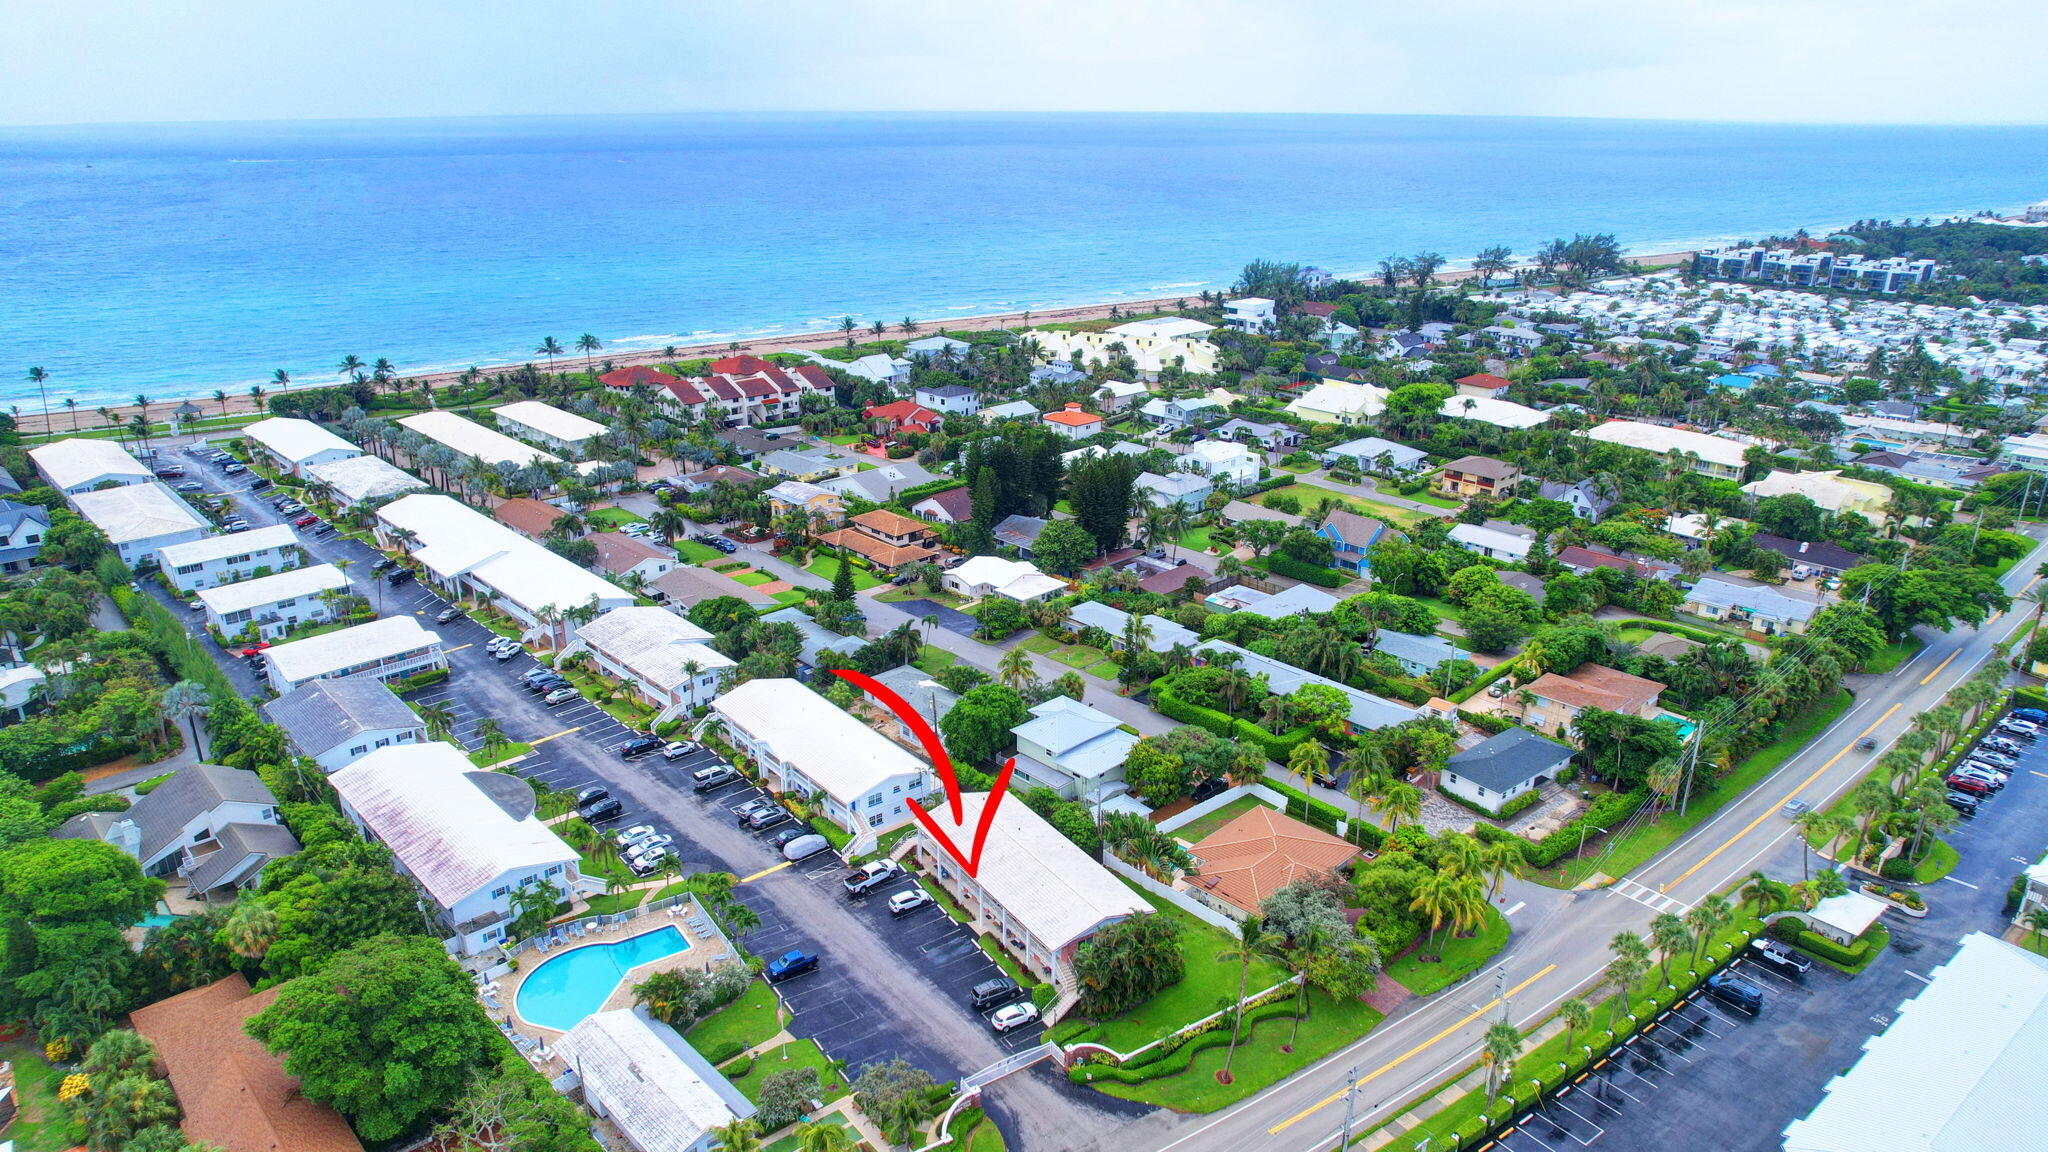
(1063, 547)
(785, 1096)
(1128, 963)
(745, 1135)
(1155, 773)
(842, 584)
(977, 730)
(1501, 1048)
(1253, 943)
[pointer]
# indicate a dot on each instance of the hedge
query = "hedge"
(1281, 564)
(724, 1052)
(1164, 1061)
(1792, 932)
(1521, 803)
(1233, 728)
(1325, 816)
(1485, 681)
(419, 680)
(1666, 626)
(1380, 685)
(1492, 723)
(1604, 812)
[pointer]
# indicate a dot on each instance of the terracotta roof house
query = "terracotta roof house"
(1073, 422)
(1481, 384)
(1258, 854)
(953, 506)
(529, 517)
(1478, 476)
(740, 365)
(1584, 560)
(1559, 699)
(720, 474)
(888, 540)
(902, 416)
(234, 1093)
(635, 377)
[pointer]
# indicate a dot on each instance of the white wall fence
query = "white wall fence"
(1223, 800)
(1180, 900)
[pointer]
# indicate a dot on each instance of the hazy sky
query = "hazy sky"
(81, 61)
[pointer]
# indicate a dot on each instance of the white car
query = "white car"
(677, 749)
(650, 847)
(638, 833)
(1013, 1016)
(502, 644)
(909, 900)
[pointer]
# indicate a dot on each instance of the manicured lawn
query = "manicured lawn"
(1041, 644)
(1079, 655)
(788, 1143)
(931, 661)
(44, 1125)
(484, 758)
(696, 553)
(1196, 539)
(1430, 498)
(796, 1054)
(1209, 986)
(1107, 670)
(1311, 494)
(1456, 955)
(1941, 859)
(843, 441)
(1444, 609)
(729, 566)
(1259, 1061)
(1006, 962)
(1194, 830)
(792, 597)
(1298, 469)
(755, 579)
(1893, 655)
(602, 519)
(752, 1019)
(828, 568)
(1633, 635)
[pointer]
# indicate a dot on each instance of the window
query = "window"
(553, 870)
(875, 821)
(381, 743)
(183, 570)
(359, 749)
(875, 801)
(499, 891)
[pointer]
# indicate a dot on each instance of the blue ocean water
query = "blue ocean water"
(171, 260)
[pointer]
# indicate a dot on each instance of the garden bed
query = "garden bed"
(1424, 970)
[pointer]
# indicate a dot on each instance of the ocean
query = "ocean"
(173, 260)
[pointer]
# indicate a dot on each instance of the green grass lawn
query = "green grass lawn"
(1297, 469)
(1619, 858)
(1633, 635)
(1941, 859)
(755, 579)
(1079, 655)
(484, 758)
(1430, 498)
(44, 1125)
(1041, 644)
(752, 1019)
(1259, 1062)
(695, 553)
(931, 661)
(1444, 609)
(1311, 494)
(843, 440)
(1196, 539)
(790, 598)
(796, 1054)
(1209, 986)
(1194, 830)
(1107, 670)
(605, 519)
(827, 567)
(789, 1143)
(1893, 655)
(1457, 956)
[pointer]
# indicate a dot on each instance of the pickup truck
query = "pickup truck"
(868, 877)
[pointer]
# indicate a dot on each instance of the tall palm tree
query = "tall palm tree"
(251, 928)
(1253, 942)
(220, 397)
(2036, 922)
(1503, 1045)
(1499, 861)
(739, 1136)
(281, 378)
(184, 703)
(1576, 1014)
(588, 345)
(549, 348)
(1015, 669)
(1669, 933)
(1397, 803)
(350, 365)
(71, 406)
(41, 379)
(1707, 917)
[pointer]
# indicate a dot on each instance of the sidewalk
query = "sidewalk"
(1449, 1094)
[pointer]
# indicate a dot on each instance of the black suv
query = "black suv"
(602, 812)
(639, 746)
(399, 579)
(592, 795)
(994, 993)
(1736, 993)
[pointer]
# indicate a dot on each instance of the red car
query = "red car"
(253, 649)
(1966, 784)
(305, 521)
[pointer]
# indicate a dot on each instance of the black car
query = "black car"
(781, 839)
(1209, 789)
(761, 821)
(259, 485)
(604, 811)
(1736, 992)
(993, 993)
(170, 473)
(399, 579)
(1964, 804)
(383, 564)
(639, 746)
(592, 795)
(546, 684)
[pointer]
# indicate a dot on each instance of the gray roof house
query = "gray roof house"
(1760, 607)
(1586, 499)
(1418, 655)
(1070, 748)
(1367, 711)
(921, 692)
(21, 534)
(1364, 453)
(1502, 767)
(335, 721)
(1018, 531)
(882, 481)
(817, 639)
(1162, 634)
(1299, 600)
(178, 827)
(1187, 489)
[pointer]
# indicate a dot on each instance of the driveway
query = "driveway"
(951, 619)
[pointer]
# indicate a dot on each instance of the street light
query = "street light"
(1583, 827)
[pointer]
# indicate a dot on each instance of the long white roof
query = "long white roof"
(1958, 1069)
(137, 512)
(365, 477)
(1657, 438)
(286, 585)
(233, 544)
(644, 1084)
(549, 420)
(315, 656)
(457, 540)
(840, 754)
(1488, 410)
(70, 462)
(655, 643)
(422, 801)
(470, 438)
(289, 438)
(1058, 892)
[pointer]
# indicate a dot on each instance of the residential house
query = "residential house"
(1757, 607)
(1500, 413)
(74, 466)
(1510, 341)
(648, 1084)
(468, 835)
(22, 527)
(1338, 402)
(1073, 422)
(1333, 330)
(1113, 395)
(1352, 536)
(473, 441)
(361, 481)
(803, 743)
(549, 426)
(938, 347)
(272, 606)
(1502, 767)
(668, 661)
(1298, 600)
(1484, 385)
(796, 496)
(984, 576)
(1496, 539)
(814, 639)
(1365, 711)
(1035, 894)
(700, 482)
(1710, 456)
(1173, 415)
(957, 398)
(216, 827)
(140, 520)
(1271, 437)
(893, 371)
(1249, 314)
(1137, 346)
(1189, 490)
(1830, 490)
(897, 418)
(1098, 451)
(214, 560)
(1417, 655)
(1052, 372)
(1239, 511)
(1524, 582)
(1470, 476)
(1814, 555)
(1020, 532)
(1407, 345)
(637, 376)
(1584, 560)
(1157, 633)
(927, 697)
(751, 443)
(1588, 500)
(882, 482)
(1014, 410)
(24, 690)
(741, 391)
(1556, 701)
(1223, 460)
(629, 559)
(293, 445)
(392, 648)
(686, 585)
(233, 1093)
(1372, 454)
(1163, 328)
(337, 722)
(953, 506)
(531, 518)
(1071, 748)
(1258, 853)
(809, 467)
(887, 540)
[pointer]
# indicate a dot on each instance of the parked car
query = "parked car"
(383, 564)
(191, 486)
(1981, 774)
(306, 521)
(291, 507)
(537, 673)
(1965, 804)
(591, 795)
(259, 485)
(870, 876)
(448, 615)
(172, 473)
(656, 845)
(639, 746)
(1011, 1016)
(747, 810)
(990, 993)
(1780, 955)
(2020, 729)
(910, 900)
(782, 838)
(602, 812)
(323, 530)
(253, 649)
(561, 695)
(547, 684)
(235, 469)
(705, 779)
(762, 821)
(636, 834)
(677, 749)
(2034, 714)
(806, 846)
(2001, 744)
(399, 579)
(791, 963)
(1967, 785)
(1998, 760)
(1209, 789)
(1735, 992)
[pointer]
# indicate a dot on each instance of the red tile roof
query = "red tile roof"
(1318, 308)
(618, 552)
(1483, 380)
(1260, 853)
(905, 414)
(527, 516)
(1073, 416)
(739, 365)
(635, 376)
(1598, 686)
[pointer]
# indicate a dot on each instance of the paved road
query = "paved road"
(1565, 948)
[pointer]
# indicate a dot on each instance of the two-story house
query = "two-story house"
(1071, 748)
(216, 560)
(956, 398)
(272, 606)
(1556, 701)
(886, 540)
(1189, 490)
(1173, 415)
(802, 743)
(1588, 500)
(1250, 314)
(338, 722)
(898, 417)
(216, 827)
(21, 534)
(1469, 476)
(1352, 536)
(668, 661)
(809, 499)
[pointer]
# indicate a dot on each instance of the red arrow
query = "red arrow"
(971, 860)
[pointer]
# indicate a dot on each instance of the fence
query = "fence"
(567, 931)
(1222, 800)
(1178, 899)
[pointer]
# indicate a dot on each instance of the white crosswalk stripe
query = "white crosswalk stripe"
(1650, 897)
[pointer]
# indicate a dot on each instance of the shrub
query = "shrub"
(2015, 895)
(1896, 868)
(1522, 803)
(1283, 565)
(419, 680)
(1380, 685)
(1484, 682)
(1492, 723)
(739, 1067)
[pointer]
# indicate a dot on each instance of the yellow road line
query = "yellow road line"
(545, 739)
(2042, 775)
(1943, 664)
(1769, 812)
(764, 872)
(458, 648)
(1397, 1061)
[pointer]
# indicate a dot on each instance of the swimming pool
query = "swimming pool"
(569, 986)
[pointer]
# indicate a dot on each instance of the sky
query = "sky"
(1828, 61)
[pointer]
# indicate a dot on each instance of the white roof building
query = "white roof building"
(467, 550)
(213, 548)
(74, 466)
(1224, 460)
(805, 743)
(469, 438)
(1488, 410)
(362, 479)
(392, 647)
(647, 1080)
(1164, 328)
(1016, 580)
(140, 519)
(264, 591)
(655, 649)
(1957, 1070)
(1718, 457)
(1339, 402)
(1496, 543)
(547, 424)
(297, 443)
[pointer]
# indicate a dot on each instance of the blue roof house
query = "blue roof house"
(1735, 381)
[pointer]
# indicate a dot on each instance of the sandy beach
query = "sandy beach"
(30, 418)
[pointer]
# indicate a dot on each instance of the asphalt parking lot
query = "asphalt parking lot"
(951, 619)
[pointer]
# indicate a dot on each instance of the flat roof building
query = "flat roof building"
(652, 1086)
(215, 560)
(468, 438)
(74, 466)
(392, 648)
(362, 480)
(140, 520)
(293, 444)
(274, 605)
(1715, 456)
(549, 425)
(805, 743)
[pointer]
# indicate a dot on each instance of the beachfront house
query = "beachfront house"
(292, 445)
(1250, 314)
(549, 426)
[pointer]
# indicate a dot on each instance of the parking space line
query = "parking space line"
(765, 872)
(558, 735)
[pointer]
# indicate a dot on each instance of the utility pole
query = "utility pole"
(1350, 1095)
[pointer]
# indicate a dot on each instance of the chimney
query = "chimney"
(127, 836)
(1803, 546)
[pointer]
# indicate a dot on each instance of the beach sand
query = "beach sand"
(30, 419)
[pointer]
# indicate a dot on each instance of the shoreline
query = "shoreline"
(29, 421)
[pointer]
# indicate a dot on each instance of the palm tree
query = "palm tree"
(1502, 1046)
(588, 345)
(220, 397)
(1253, 942)
(849, 325)
(1631, 960)
(816, 1137)
(349, 366)
(1760, 890)
(41, 380)
(490, 733)
(2036, 921)
(1499, 861)
(549, 348)
(250, 928)
(1576, 1014)
(739, 1136)
(1397, 803)
(1438, 897)
(1015, 669)
(281, 378)
(1709, 916)
(185, 702)
(1668, 932)
(439, 719)
(71, 405)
